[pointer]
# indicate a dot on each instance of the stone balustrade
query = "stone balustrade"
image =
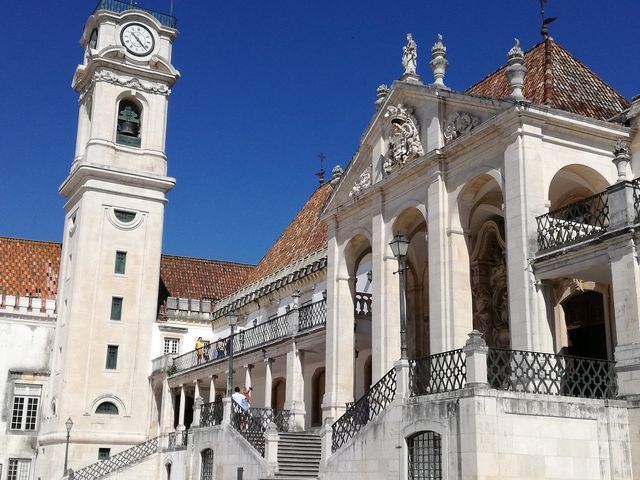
(27, 305)
(186, 308)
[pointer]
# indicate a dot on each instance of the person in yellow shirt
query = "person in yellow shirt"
(199, 349)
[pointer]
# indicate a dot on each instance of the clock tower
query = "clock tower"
(110, 264)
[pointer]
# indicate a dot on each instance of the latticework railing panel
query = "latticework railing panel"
(442, 372)
(313, 315)
(249, 427)
(364, 410)
(577, 221)
(177, 440)
(211, 414)
(551, 374)
(118, 461)
(636, 197)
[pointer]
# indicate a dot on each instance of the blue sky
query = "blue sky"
(265, 87)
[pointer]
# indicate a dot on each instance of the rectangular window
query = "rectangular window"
(112, 357)
(171, 345)
(121, 262)
(18, 469)
(24, 414)
(116, 308)
(104, 453)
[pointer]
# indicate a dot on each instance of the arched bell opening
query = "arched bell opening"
(128, 130)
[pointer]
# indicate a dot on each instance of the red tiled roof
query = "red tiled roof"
(304, 235)
(29, 267)
(199, 278)
(556, 78)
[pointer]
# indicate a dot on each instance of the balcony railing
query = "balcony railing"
(313, 315)
(252, 423)
(361, 412)
(119, 7)
(442, 372)
(551, 374)
(578, 221)
(177, 440)
(636, 197)
(211, 414)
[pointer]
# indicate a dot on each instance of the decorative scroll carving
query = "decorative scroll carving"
(404, 143)
(131, 82)
(362, 184)
(458, 124)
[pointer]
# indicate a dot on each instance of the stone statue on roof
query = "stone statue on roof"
(410, 56)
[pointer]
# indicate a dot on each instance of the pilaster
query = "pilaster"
(294, 401)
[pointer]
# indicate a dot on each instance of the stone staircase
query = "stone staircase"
(298, 456)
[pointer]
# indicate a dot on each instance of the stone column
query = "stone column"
(167, 409)
(196, 389)
(212, 388)
(339, 331)
(294, 401)
(183, 400)
(524, 199)
(476, 351)
(271, 439)
(294, 314)
(326, 440)
(197, 410)
(402, 378)
(268, 382)
(385, 306)
(247, 375)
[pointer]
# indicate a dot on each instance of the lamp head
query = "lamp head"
(399, 246)
(68, 424)
(232, 318)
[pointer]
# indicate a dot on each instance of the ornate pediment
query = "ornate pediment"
(457, 124)
(363, 183)
(404, 142)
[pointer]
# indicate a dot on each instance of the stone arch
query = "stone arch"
(573, 183)
(416, 427)
(317, 392)
(109, 398)
(129, 119)
(411, 222)
(278, 393)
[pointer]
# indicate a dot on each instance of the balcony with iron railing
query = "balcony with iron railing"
(312, 317)
(117, 6)
(606, 212)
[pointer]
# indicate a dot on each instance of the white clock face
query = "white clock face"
(137, 39)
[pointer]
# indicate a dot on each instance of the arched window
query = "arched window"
(206, 460)
(425, 456)
(107, 408)
(128, 133)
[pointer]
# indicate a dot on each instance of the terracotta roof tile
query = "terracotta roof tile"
(304, 235)
(199, 278)
(556, 78)
(29, 267)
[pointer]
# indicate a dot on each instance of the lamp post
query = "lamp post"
(399, 246)
(233, 321)
(68, 424)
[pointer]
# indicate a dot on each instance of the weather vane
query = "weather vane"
(544, 31)
(320, 174)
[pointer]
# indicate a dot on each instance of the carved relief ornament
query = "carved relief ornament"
(404, 142)
(123, 81)
(458, 124)
(362, 183)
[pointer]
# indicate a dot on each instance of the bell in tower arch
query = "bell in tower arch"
(128, 132)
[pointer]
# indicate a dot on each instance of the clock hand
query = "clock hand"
(138, 39)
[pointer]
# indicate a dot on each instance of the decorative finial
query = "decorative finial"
(381, 95)
(621, 159)
(516, 72)
(320, 174)
(544, 29)
(438, 62)
(336, 173)
(410, 61)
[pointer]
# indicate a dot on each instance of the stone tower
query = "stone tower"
(109, 273)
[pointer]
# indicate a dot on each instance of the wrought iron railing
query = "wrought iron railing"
(177, 440)
(118, 461)
(261, 334)
(252, 423)
(442, 372)
(313, 315)
(551, 374)
(362, 305)
(636, 197)
(211, 414)
(364, 410)
(119, 7)
(577, 221)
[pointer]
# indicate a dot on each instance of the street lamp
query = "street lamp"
(399, 246)
(233, 321)
(68, 424)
